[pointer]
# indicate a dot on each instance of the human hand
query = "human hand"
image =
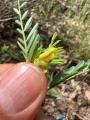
(20, 100)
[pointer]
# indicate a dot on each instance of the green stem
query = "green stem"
(23, 33)
(69, 78)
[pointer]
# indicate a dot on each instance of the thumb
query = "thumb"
(21, 98)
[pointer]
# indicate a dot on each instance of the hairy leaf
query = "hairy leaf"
(35, 43)
(32, 39)
(33, 29)
(23, 4)
(80, 69)
(21, 41)
(21, 46)
(18, 22)
(20, 31)
(28, 24)
(16, 11)
(25, 15)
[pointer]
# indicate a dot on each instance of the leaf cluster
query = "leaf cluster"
(7, 54)
(30, 42)
(51, 55)
(29, 38)
(80, 69)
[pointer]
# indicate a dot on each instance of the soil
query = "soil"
(74, 105)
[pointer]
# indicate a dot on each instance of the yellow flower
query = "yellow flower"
(45, 58)
(50, 55)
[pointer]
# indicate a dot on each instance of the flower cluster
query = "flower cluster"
(51, 55)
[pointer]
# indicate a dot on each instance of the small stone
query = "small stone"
(87, 95)
(73, 95)
(61, 117)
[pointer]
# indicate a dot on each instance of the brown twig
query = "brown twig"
(7, 19)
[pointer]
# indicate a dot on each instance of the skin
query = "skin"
(26, 110)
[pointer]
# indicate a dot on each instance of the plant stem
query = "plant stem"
(65, 79)
(23, 33)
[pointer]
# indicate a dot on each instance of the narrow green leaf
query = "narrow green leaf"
(32, 39)
(35, 43)
(24, 55)
(33, 29)
(56, 42)
(55, 92)
(57, 61)
(60, 49)
(28, 24)
(19, 30)
(53, 39)
(21, 40)
(80, 65)
(23, 4)
(21, 46)
(55, 80)
(37, 52)
(88, 63)
(24, 15)
(18, 22)
(70, 70)
(16, 11)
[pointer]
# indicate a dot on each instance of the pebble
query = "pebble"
(87, 95)
(61, 117)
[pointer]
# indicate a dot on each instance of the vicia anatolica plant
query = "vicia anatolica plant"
(29, 41)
